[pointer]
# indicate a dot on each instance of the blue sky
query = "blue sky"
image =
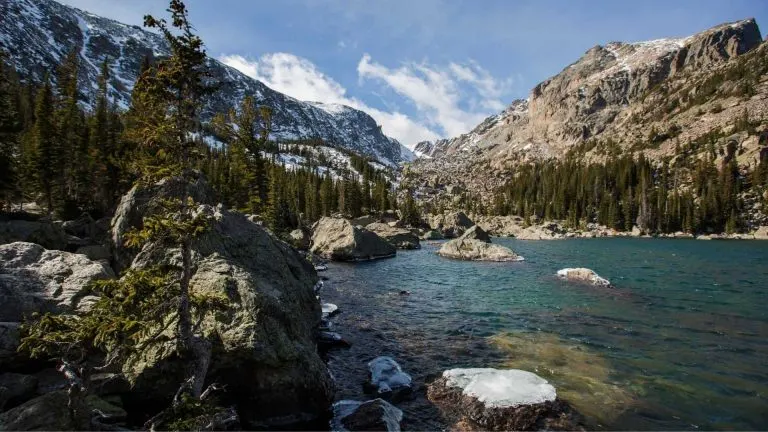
(424, 68)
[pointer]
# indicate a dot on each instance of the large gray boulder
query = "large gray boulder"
(33, 279)
(42, 232)
(398, 237)
(476, 250)
(451, 225)
(337, 239)
(263, 342)
(500, 399)
(142, 201)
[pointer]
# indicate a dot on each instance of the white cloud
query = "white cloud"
(300, 78)
(437, 93)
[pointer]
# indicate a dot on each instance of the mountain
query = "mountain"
(38, 34)
(652, 97)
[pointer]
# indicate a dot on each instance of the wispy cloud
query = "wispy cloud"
(454, 98)
(301, 79)
(448, 100)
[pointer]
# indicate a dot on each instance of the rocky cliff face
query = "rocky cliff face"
(644, 96)
(38, 34)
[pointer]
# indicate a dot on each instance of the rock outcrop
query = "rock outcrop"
(373, 415)
(263, 342)
(494, 399)
(582, 275)
(476, 233)
(469, 248)
(33, 279)
(451, 225)
(337, 239)
(398, 237)
(142, 201)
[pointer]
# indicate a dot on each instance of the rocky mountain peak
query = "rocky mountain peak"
(38, 34)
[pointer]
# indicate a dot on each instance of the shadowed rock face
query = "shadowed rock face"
(490, 399)
(339, 240)
(263, 343)
(373, 415)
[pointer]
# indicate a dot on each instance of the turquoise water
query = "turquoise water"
(681, 342)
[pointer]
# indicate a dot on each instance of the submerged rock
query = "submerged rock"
(373, 415)
(583, 275)
(398, 237)
(33, 279)
(387, 379)
(477, 250)
(500, 399)
(332, 339)
(339, 240)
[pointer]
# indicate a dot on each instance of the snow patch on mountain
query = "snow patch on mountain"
(38, 34)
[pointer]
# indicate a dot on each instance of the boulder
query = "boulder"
(397, 237)
(373, 415)
(363, 220)
(477, 250)
(33, 279)
(42, 232)
(500, 399)
(432, 235)
(47, 412)
(451, 225)
(10, 339)
(387, 379)
(16, 389)
(142, 201)
(263, 343)
(83, 227)
(476, 233)
(761, 233)
(299, 239)
(339, 240)
(95, 252)
(583, 275)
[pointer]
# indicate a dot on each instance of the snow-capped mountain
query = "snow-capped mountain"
(38, 34)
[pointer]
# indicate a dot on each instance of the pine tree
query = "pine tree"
(9, 140)
(46, 157)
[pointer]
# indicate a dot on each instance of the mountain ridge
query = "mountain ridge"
(39, 34)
